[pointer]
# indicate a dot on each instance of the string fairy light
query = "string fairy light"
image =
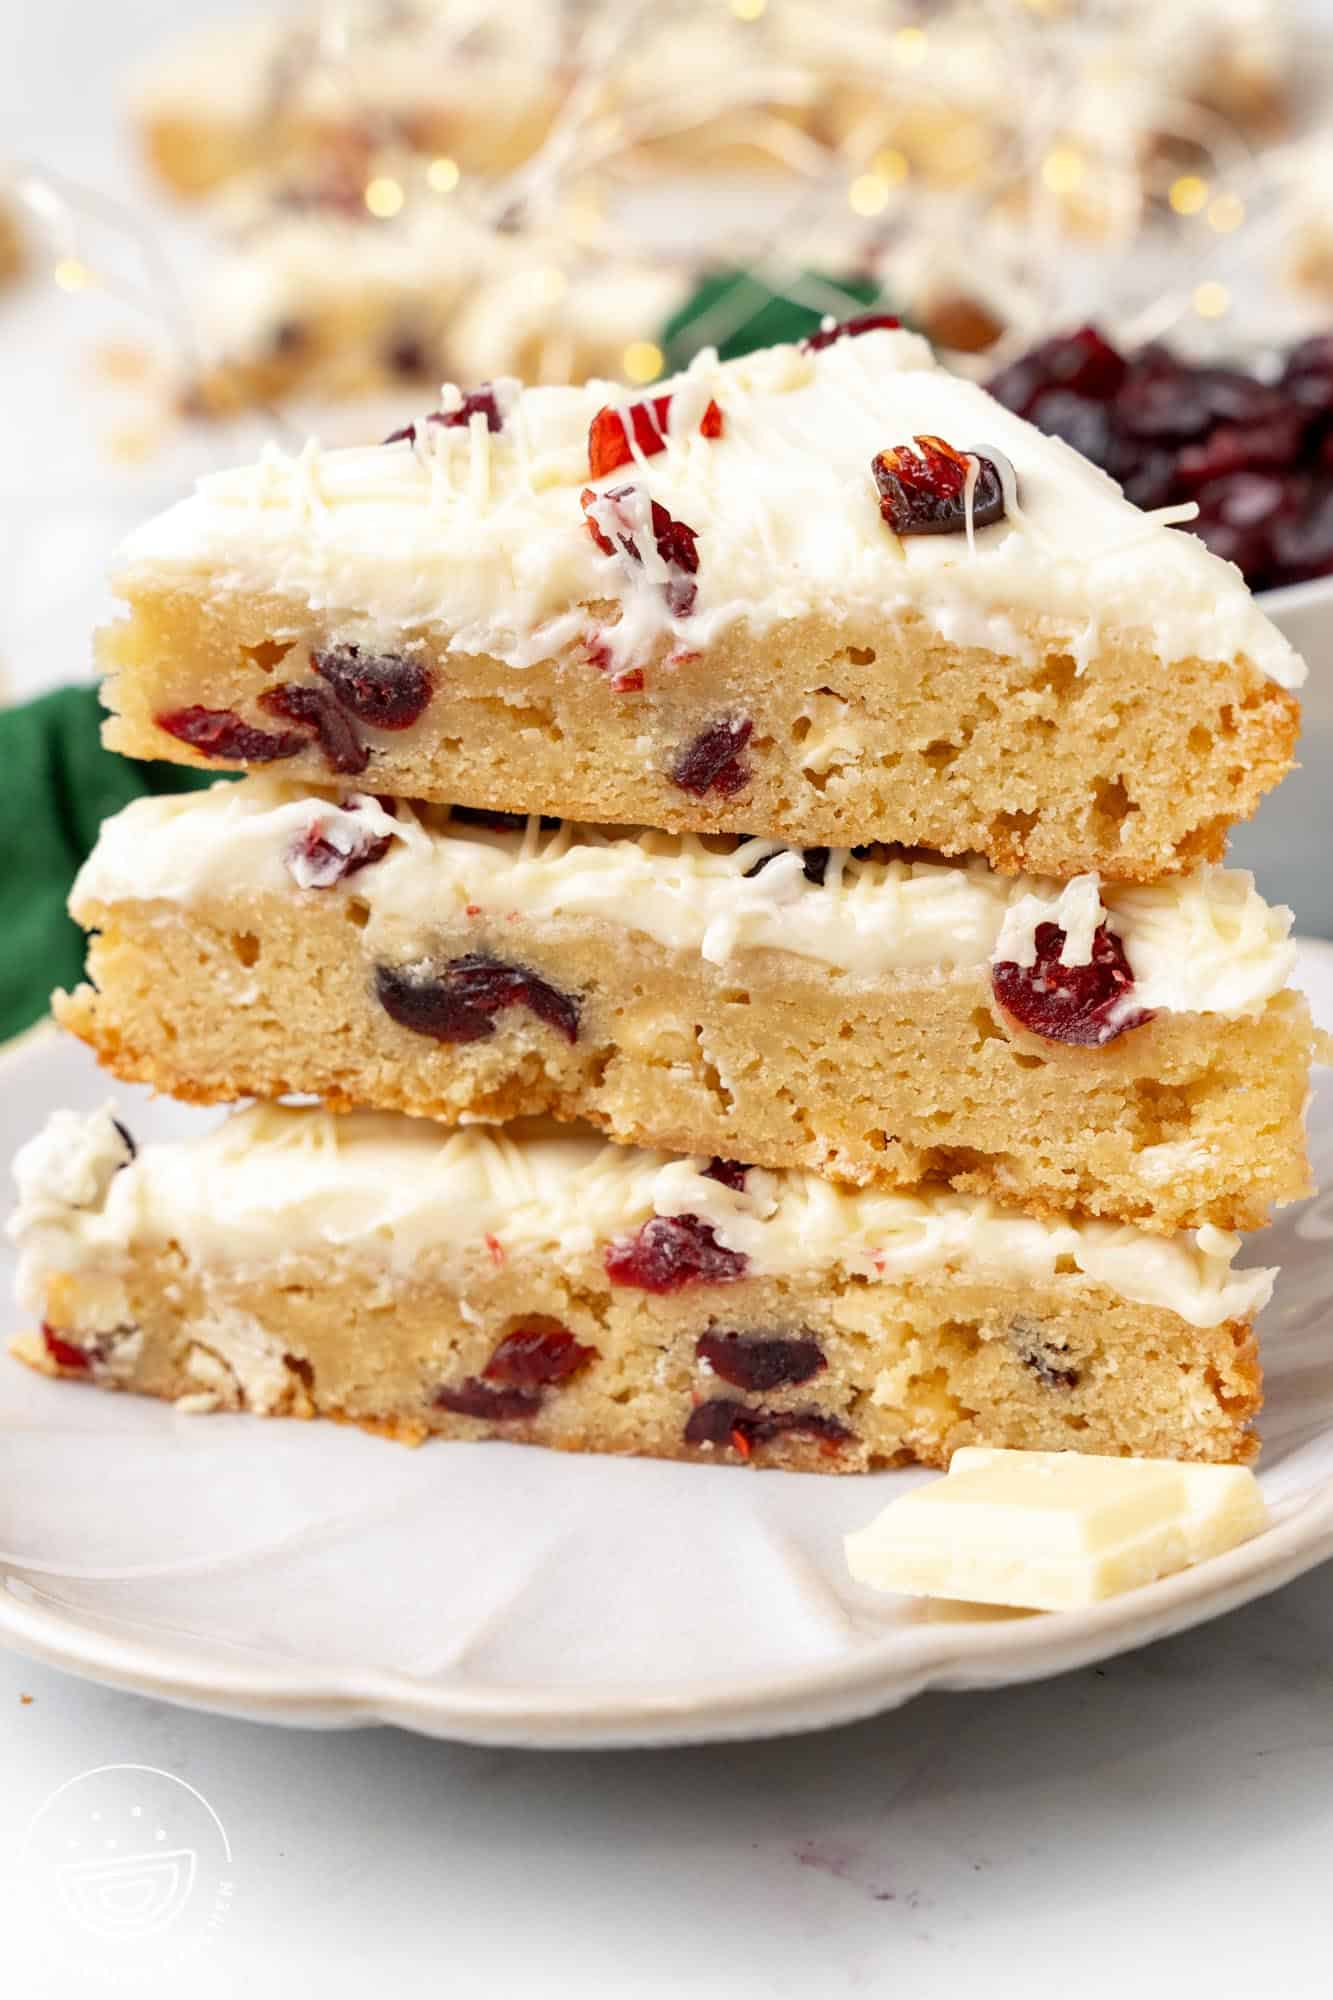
(1211, 299)
(1062, 165)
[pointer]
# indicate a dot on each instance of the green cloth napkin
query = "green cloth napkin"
(60, 784)
(736, 310)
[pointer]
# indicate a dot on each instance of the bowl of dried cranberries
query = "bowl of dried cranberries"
(1253, 449)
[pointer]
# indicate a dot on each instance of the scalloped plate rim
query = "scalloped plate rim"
(884, 1673)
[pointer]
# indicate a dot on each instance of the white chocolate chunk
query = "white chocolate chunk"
(1053, 1530)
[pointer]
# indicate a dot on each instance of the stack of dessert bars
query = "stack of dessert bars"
(738, 872)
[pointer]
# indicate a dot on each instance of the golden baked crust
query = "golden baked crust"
(772, 1059)
(857, 733)
(910, 1371)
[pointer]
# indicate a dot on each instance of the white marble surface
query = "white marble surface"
(1166, 1816)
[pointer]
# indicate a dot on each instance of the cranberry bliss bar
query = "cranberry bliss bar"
(1131, 1052)
(827, 594)
(544, 1287)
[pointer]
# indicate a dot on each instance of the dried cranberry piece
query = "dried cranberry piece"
(924, 492)
(1148, 478)
(317, 863)
(848, 329)
(730, 1173)
(532, 1356)
(1307, 375)
(1303, 548)
(1087, 1005)
(723, 1421)
(1081, 422)
(219, 732)
(475, 1398)
(406, 356)
(714, 761)
(755, 1361)
(63, 1352)
(1160, 402)
(671, 1251)
(315, 706)
(677, 545)
(675, 541)
(385, 690)
(1262, 447)
(458, 1001)
(1236, 515)
(1082, 362)
(609, 440)
(1043, 1355)
(476, 402)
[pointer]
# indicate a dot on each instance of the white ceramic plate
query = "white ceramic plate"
(307, 1573)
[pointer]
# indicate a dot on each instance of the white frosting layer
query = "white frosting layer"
(1205, 943)
(271, 1184)
(484, 535)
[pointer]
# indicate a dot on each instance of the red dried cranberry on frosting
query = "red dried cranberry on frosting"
(475, 403)
(848, 329)
(924, 492)
(1084, 1005)
(328, 851)
(609, 444)
(616, 519)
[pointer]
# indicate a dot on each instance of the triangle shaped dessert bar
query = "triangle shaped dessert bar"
(827, 594)
(548, 1288)
(878, 1019)
(594, 746)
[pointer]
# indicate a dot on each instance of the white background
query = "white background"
(1166, 1821)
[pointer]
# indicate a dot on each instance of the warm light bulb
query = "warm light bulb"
(909, 47)
(443, 174)
(745, 10)
(71, 275)
(1188, 194)
(641, 361)
(1211, 300)
(867, 195)
(384, 197)
(1225, 213)
(892, 166)
(1062, 170)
